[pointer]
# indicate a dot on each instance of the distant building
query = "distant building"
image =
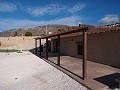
(113, 25)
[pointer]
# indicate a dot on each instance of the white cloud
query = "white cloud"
(7, 7)
(39, 11)
(52, 9)
(76, 8)
(49, 9)
(72, 20)
(109, 19)
(7, 24)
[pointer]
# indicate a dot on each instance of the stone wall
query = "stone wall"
(21, 43)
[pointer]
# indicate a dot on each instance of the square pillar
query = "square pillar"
(84, 55)
(47, 48)
(40, 47)
(58, 49)
(35, 46)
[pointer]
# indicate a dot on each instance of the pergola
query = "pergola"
(58, 35)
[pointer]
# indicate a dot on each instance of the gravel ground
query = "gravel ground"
(25, 71)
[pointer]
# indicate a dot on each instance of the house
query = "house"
(103, 45)
(88, 44)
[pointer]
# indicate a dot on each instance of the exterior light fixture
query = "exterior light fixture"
(72, 40)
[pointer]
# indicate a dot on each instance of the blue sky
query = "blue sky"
(31, 13)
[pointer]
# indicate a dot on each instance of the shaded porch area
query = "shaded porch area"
(93, 75)
(99, 76)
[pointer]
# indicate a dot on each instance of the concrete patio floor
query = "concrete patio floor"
(99, 76)
(25, 71)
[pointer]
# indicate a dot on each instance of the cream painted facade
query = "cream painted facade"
(102, 47)
(20, 43)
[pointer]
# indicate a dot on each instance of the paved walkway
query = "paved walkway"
(25, 71)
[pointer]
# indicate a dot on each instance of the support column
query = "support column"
(84, 55)
(47, 48)
(58, 49)
(35, 46)
(51, 46)
(40, 48)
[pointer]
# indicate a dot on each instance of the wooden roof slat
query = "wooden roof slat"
(76, 30)
(64, 33)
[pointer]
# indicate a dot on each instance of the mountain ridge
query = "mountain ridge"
(36, 31)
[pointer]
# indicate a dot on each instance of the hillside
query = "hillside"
(36, 31)
(42, 30)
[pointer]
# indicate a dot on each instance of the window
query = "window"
(80, 49)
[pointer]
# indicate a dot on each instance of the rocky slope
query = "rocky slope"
(36, 31)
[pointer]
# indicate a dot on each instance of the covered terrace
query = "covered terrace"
(93, 75)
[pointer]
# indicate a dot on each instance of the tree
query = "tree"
(43, 35)
(28, 34)
(16, 34)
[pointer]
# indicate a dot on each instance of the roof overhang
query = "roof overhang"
(78, 31)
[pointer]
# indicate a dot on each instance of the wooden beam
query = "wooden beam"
(58, 49)
(64, 33)
(47, 48)
(35, 46)
(40, 47)
(84, 54)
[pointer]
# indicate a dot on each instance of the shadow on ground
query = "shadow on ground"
(109, 80)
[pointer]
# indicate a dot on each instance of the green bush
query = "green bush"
(42, 35)
(28, 34)
(16, 34)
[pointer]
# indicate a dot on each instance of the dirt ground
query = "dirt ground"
(25, 71)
